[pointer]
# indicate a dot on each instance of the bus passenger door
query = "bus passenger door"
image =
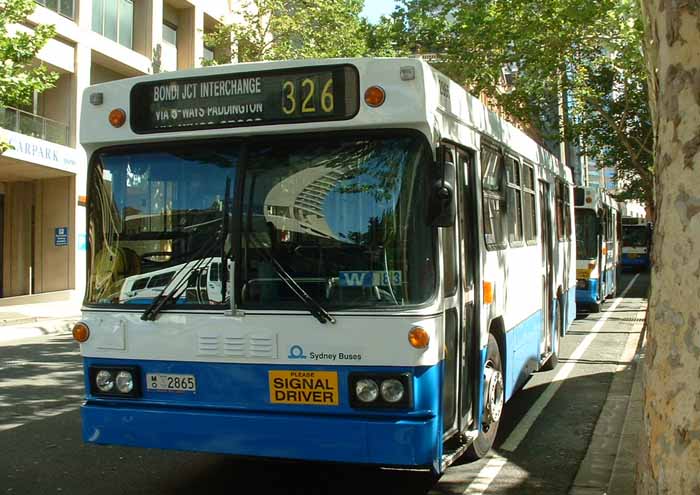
(459, 260)
(547, 243)
(452, 317)
(468, 262)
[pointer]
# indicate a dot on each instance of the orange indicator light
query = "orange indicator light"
(418, 338)
(117, 117)
(488, 293)
(81, 332)
(375, 96)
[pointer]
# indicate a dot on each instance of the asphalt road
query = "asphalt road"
(41, 451)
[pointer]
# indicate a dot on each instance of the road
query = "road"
(537, 453)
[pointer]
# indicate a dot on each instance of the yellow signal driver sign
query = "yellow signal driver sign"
(318, 388)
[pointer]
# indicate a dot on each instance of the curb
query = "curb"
(624, 473)
(609, 460)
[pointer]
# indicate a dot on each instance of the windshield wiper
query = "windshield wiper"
(186, 269)
(189, 267)
(314, 307)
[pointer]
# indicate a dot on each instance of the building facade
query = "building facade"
(43, 177)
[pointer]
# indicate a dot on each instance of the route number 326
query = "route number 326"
(308, 96)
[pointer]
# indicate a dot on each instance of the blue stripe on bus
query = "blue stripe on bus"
(523, 352)
(571, 316)
(588, 295)
(231, 413)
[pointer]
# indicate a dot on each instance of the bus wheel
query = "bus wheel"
(494, 399)
(595, 307)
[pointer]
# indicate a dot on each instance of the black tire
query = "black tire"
(489, 427)
(595, 307)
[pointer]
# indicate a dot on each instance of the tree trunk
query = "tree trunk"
(670, 453)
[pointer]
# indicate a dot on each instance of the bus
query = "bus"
(636, 244)
(203, 283)
(597, 247)
(395, 262)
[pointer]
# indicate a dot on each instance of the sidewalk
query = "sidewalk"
(33, 316)
(609, 467)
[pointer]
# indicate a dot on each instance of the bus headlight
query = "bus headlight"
(366, 390)
(125, 382)
(104, 381)
(115, 381)
(369, 390)
(392, 390)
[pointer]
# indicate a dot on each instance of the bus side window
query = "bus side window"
(529, 213)
(515, 210)
(494, 198)
(559, 191)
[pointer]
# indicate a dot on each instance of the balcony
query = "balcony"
(37, 126)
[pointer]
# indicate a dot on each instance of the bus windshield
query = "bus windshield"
(346, 218)
(586, 234)
(635, 236)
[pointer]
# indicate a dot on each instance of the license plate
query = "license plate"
(167, 382)
(633, 255)
(318, 388)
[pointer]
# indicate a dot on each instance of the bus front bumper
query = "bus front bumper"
(641, 260)
(388, 442)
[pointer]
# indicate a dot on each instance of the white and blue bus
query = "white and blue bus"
(394, 262)
(597, 247)
(636, 244)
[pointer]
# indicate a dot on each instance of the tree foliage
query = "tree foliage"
(589, 50)
(20, 76)
(283, 30)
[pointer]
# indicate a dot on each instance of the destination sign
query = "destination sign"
(244, 99)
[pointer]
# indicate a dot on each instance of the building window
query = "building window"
(494, 198)
(64, 7)
(170, 33)
(114, 19)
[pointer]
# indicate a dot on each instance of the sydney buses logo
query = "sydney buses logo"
(297, 352)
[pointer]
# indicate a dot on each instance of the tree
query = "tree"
(671, 443)
(587, 50)
(282, 30)
(19, 76)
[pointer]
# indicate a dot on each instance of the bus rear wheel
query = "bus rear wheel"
(494, 399)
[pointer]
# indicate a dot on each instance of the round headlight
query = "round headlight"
(366, 390)
(104, 381)
(125, 382)
(392, 390)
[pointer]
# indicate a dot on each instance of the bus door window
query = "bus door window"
(468, 241)
(547, 239)
(450, 285)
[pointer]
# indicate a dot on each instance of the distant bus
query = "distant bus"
(597, 247)
(636, 245)
(203, 283)
(386, 263)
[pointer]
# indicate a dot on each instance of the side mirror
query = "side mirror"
(443, 204)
